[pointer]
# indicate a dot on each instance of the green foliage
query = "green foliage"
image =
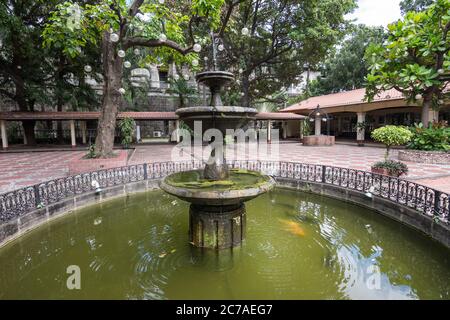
(306, 127)
(126, 127)
(392, 136)
(182, 89)
(395, 168)
(171, 18)
(414, 5)
(91, 152)
(434, 138)
(346, 69)
(414, 57)
(285, 37)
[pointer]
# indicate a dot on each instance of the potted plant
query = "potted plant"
(126, 127)
(390, 168)
(361, 127)
(391, 136)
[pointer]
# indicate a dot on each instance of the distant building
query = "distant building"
(346, 109)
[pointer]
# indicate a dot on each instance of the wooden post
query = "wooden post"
(83, 131)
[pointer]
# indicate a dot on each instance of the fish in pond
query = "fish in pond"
(293, 227)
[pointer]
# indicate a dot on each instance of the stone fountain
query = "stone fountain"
(217, 217)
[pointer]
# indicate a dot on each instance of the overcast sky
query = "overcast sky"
(376, 12)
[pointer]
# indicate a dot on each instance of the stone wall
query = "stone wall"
(436, 157)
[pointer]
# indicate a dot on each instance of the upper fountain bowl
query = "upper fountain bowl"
(215, 78)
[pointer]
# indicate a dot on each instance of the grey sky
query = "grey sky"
(376, 12)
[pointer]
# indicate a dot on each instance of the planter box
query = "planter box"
(436, 157)
(80, 165)
(383, 171)
(318, 140)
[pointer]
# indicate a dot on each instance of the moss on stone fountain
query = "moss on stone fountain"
(239, 179)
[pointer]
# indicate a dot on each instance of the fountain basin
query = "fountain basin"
(241, 186)
(217, 215)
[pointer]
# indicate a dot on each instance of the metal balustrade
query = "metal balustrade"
(421, 198)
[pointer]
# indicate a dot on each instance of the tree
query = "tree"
(415, 59)
(414, 5)
(165, 27)
(182, 89)
(22, 71)
(285, 38)
(30, 75)
(346, 69)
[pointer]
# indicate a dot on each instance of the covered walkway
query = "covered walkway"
(289, 122)
(351, 117)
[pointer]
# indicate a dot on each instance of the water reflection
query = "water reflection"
(136, 248)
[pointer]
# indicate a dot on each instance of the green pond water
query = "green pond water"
(298, 246)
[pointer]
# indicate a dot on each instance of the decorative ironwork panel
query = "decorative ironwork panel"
(421, 198)
(16, 203)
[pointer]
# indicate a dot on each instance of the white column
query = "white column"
(177, 127)
(318, 126)
(138, 133)
(4, 136)
(83, 131)
(433, 115)
(360, 133)
(269, 131)
(301, 130)
(72, 133)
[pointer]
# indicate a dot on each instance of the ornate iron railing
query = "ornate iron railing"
(421, 198)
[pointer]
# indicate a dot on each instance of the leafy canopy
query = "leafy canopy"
(73, 27)
(346, 69)
(415, 57)
(414, 5)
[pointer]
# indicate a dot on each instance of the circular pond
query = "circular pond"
(298, 246)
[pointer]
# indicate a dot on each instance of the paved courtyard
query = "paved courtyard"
(22, 169)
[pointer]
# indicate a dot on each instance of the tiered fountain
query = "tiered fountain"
(217, 217)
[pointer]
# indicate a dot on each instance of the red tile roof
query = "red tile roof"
(80, 115)
(89, 115)
(278, 116)
(342, 99)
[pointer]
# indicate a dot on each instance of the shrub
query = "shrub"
(434, 138)
(392, 136)
(91, 152)
(126, 127)
(395, 168)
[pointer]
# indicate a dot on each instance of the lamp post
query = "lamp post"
(319, 116)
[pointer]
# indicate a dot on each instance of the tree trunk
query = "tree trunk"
(112, 73)
(24, 106)
(245, 101)
(28, 131)
(59, 124)
(426, 111)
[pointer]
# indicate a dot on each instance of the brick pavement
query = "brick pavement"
(22, 169)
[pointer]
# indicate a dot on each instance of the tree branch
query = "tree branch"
(134, 9)
(154, 43)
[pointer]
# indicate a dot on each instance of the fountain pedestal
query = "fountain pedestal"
(217, 193)
(217, 227)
